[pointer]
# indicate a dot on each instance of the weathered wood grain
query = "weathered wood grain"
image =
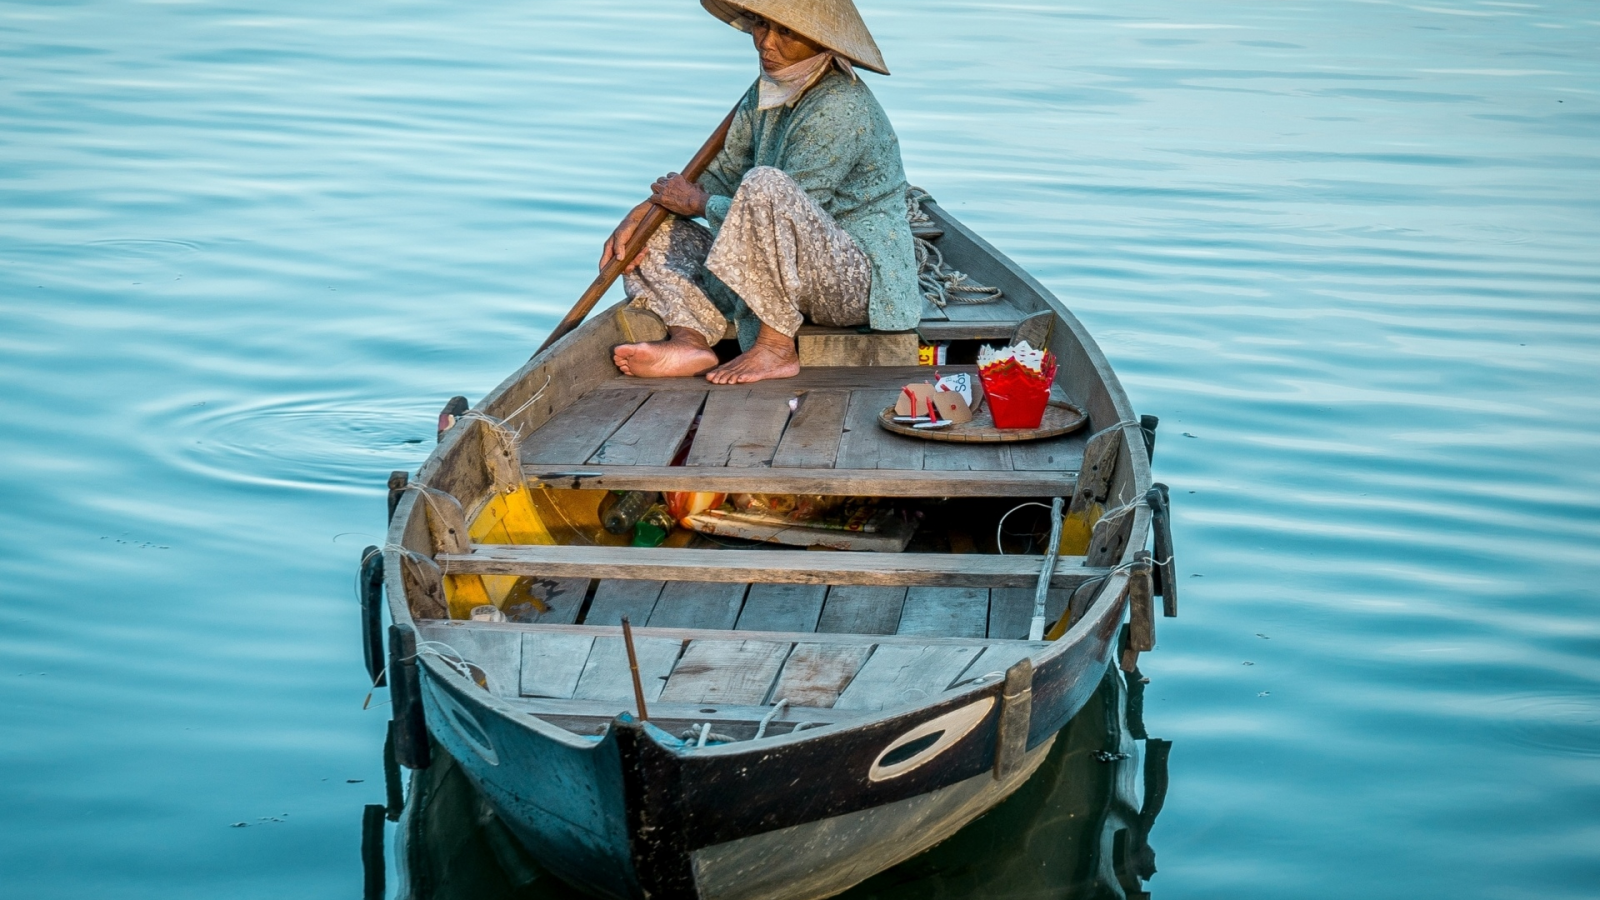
(562, 597)
(848, 347)
(867, 446)
(699, 604)
(552, 664)
(815, 674)
(774, 566)
(736, 672)
(862, 609)
(606, 675)
(898, 675)
(839, 378)
(959, 458)
(652, 434)
(782, 607)
(497, 653)
(837, 481)
(946, 611)
(618, 597)
(1011, 610)
(575, 433)
(812, 438)
(1062, 454)
(739, 429)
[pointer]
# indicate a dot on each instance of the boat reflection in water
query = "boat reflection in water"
(1079, 828)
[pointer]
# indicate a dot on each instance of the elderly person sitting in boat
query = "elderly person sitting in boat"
(805, 207)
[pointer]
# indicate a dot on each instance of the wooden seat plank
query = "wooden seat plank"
(782, 607)
(866, 445)
(618, 597)
(862, 609)
(816, 378)
(575, 433)
(741, 567)
(582, 716)
(652, 434)
(1011, 610)
(812, 438)
(815, 674)
(736, 672)
(553, 663)
(945, 611)
(699, 604)
(606, 675)
(898, 675)
(841, 481)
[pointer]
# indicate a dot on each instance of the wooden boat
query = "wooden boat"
(1080, 829)
(813, 717)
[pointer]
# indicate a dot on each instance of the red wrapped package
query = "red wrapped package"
(1016, 391)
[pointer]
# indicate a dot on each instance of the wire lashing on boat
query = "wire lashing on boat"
(499, 425)
(939, 284)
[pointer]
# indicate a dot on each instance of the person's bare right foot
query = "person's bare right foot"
(685, 353)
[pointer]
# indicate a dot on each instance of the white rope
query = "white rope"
(761, 730)
(1002, 522)
(499, 425)
(939, 284)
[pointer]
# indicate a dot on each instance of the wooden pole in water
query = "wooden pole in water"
(647, 226)
(633, 666)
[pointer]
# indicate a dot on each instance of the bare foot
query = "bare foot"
(772, 356)
(685, 353)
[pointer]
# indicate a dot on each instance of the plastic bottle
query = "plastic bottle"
(621, 510)
(653, 527)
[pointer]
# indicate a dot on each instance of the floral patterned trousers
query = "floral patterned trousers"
(778, 259)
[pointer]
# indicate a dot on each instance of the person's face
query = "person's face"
(779, 47)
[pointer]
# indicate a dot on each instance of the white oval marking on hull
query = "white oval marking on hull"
(939, 735)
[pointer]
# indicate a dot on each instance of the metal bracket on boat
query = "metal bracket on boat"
(1051, 553)
(1166, 568)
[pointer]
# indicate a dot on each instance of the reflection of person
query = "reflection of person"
(805, 203)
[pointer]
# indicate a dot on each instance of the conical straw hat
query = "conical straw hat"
(834, 24)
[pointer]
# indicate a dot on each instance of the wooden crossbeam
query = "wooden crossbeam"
(775, 566)
(835, 482)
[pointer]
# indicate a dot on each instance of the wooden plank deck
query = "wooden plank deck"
(623, 433)
(582, 671)
(741, 567)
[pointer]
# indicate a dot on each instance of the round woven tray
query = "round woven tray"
(1060, 418)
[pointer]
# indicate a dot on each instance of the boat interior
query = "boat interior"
(774, 634)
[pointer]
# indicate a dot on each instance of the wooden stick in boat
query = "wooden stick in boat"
(633, 666)
(1051, 553)
(647, 226)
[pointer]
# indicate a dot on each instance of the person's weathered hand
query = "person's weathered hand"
(617, 244)
(677, 194)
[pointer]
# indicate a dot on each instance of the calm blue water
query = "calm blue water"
(1346, 251)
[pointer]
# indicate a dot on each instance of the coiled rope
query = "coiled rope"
(940, 284)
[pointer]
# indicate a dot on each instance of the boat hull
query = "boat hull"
(636, 812)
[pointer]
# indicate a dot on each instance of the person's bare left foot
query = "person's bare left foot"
(772, 356)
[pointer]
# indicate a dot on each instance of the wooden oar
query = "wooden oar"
(647, 226)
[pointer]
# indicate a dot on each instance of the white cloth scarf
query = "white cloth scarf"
(785, 86)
